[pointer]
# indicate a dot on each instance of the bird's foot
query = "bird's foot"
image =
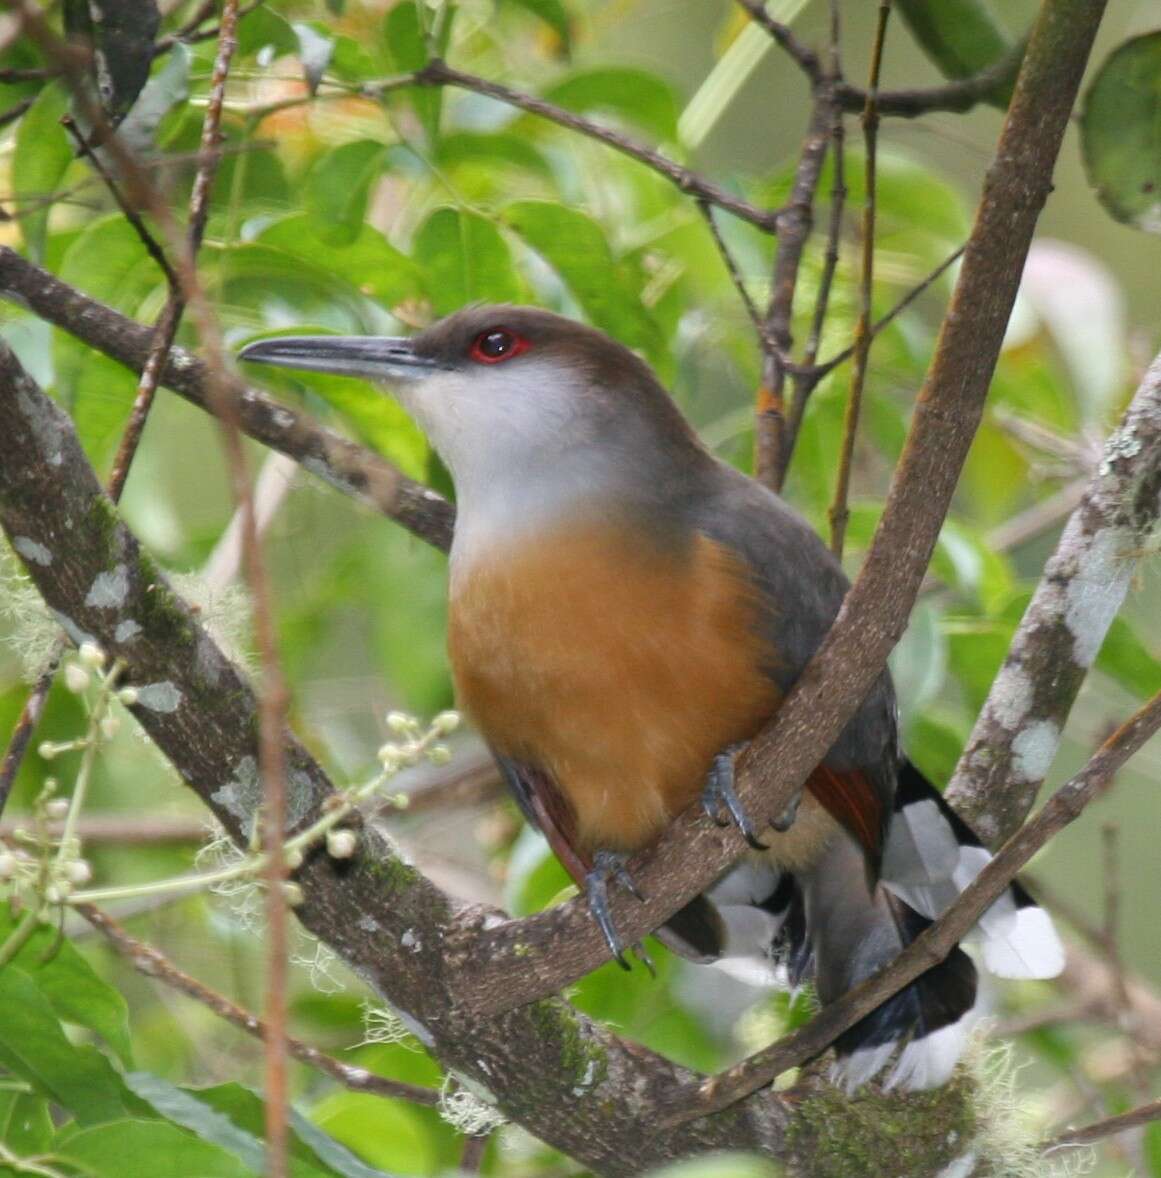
(785, 820)
(609, 866)
(719, 796)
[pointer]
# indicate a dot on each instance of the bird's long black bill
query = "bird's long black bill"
(369, 357)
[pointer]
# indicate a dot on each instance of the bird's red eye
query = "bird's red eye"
(496, 344)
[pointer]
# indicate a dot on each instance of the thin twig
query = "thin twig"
(933, 945)
(952, 97)
(149, 960)
(828, 365)
(804, 377)
(839, 511)
(128, 211)
(439, 73)
(765, 341)
(794, 227)
(473, 1156)
(783, 35)
(1144, 1115)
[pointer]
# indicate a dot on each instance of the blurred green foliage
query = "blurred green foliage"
(359, 214)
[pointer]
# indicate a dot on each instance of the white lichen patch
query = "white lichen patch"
(242, 794)
(369, 924)
(588, 1078)
(45, 424)
(109, 590)
(381, 1024)
(464, 1110)
(1122, 443)
(32, 635)
(159, 697)
(1034, 749)
(320, 469)
(1010, 697)
(1097, 590)
(410, 941)
(32, 550)
(126, 630)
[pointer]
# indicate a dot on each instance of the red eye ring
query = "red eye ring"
(497, 344)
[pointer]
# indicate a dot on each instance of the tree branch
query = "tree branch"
(151, 962)
(439, 73)
(1083, 586)
(351, 468)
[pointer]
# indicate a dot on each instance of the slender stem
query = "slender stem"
(839, 511)
(149, 960)
(1146, 1114)
(20, 935)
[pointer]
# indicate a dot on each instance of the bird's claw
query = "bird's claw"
(719, 795)
(785, 820)
(607, 866)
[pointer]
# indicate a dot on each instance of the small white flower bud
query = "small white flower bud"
(57, 808)
(400, 723)
(57, 893)
(110, 725)
(47, 750)
(293, 859)
(292, 893)
(439, 754)
(128, 696)
(341, 844)
(8, 865)
(446, 722)
(76, 678)
(390, 756)
(91, 655)
(78, 872)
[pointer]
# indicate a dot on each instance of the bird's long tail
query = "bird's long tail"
(836, 925)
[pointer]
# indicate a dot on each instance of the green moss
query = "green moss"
(390, 873)
(583, 1061)
(904, 1134)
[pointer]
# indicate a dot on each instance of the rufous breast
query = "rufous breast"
(617, 664)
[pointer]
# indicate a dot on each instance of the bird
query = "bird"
(626, 611)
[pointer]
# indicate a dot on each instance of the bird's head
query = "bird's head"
(514, 399)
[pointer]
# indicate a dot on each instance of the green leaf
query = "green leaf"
(262, 28)
(490, 150)
(636, 97)
(554, 14)
(164, 91)
(384, 1133)
(1121, 132)
(466, 259)
(25, 1123)
(108, 262)
(1125, 658)
(1151, 1147)
(309, 1145)
(338, 187)
(368, 262)
(39, 161)
(575, 246)
(146, 1149)
(961, 37)
(71, 986)
(407, 50)
(34, 1047)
